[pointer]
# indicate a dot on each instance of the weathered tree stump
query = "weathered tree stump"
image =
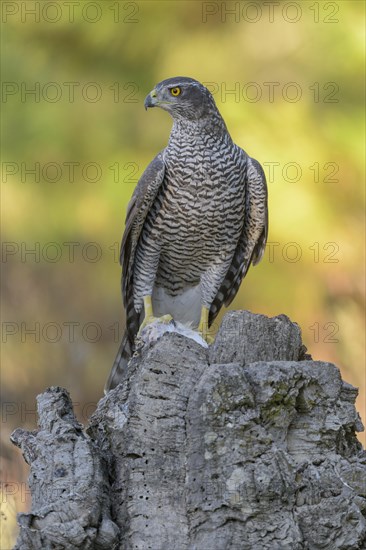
(246, 445)
(68, 482)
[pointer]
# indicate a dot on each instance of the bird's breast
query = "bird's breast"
(202, 205)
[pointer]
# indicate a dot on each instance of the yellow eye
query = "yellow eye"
(175, 91)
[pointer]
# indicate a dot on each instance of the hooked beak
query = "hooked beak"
(151, 100)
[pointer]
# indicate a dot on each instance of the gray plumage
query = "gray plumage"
(196, 221)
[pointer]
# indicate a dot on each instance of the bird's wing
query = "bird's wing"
(137, 210)
(253, 238)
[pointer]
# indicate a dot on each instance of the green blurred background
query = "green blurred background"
(288, 78)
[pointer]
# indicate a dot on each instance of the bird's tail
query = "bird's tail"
(124, 354)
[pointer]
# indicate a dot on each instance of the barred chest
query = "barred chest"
(202, 200)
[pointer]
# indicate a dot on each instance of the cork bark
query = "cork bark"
(249, 444)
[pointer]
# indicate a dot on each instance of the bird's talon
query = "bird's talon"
(165, 318)
(151, 319)
(206, 336)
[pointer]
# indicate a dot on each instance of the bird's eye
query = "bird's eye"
(175, 91)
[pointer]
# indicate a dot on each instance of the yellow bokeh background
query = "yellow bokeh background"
(288, 78)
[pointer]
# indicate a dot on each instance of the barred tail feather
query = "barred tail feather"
(120, 364)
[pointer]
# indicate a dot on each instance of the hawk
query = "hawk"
(197, 220)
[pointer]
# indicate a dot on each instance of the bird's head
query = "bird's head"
(182, 97)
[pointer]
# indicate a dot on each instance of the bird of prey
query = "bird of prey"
(197, 220)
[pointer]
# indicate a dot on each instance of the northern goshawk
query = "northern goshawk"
(196, 221)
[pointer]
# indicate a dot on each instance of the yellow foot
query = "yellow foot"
(203, 328)
(149, 317)
(207, 337)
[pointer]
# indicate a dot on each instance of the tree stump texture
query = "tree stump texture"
(246, 445)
